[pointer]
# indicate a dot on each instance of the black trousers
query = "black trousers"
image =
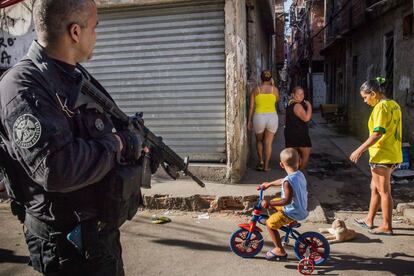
(56, 256)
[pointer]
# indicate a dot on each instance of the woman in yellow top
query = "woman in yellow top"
(384, 145)
(265, 121)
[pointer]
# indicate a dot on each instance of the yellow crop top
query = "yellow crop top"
(265, 103)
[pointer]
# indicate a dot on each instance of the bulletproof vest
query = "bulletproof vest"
(117, 196)
(62, 210)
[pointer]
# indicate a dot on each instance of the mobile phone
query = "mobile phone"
(75, 237)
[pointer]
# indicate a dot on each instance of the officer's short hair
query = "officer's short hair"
(52, 17)
(290, 157)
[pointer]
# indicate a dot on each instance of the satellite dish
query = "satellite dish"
(17, 19)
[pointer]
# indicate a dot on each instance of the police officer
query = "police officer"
(66, 162)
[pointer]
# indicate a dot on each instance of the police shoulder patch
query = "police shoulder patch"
(26, 131)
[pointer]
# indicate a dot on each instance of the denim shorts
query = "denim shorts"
(381, 165)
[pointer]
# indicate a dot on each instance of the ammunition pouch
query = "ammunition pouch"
(121, 195)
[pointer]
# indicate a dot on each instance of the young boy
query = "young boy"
(293, 204)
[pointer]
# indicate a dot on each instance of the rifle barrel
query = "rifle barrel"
(109, 106)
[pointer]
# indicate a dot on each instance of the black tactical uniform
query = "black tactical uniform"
(63, 161)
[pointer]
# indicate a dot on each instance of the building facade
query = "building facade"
(188, 65)
(367, 39)
(305, 61)
(16, 33)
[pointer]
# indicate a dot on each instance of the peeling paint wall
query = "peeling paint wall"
(404, 72)
(16, 33)
(368, 46)
(235, 43)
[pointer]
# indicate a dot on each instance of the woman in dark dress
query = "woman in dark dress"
(298, 113)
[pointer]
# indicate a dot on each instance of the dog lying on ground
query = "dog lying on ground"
(338, 233)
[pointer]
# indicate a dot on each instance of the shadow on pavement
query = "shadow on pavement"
(349, 262)
(7, 256)
(390, 263)
(361, 238)
(192, 245)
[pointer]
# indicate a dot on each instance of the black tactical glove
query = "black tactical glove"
(132, 146)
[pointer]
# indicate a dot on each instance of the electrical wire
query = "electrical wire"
(331, 19)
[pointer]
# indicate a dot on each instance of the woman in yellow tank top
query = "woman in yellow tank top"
(263, 118)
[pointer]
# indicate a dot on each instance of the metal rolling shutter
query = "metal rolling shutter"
(168, 61)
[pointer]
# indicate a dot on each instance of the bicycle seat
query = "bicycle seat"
(293, 224)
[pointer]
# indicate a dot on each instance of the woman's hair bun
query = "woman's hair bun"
(380, 80)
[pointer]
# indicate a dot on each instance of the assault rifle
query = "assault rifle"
(171, 162)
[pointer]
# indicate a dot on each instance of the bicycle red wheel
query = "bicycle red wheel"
(318, 246)
(306, 266)
(245, 249)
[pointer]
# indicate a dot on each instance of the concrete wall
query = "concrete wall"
(259, 52)
(259, 43)
(317, 23)
(236, 53)
(280, 34)
(236, 75)
(235, 43)
(367, 44)
(16, 33)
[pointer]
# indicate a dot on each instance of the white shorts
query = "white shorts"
(262, 121)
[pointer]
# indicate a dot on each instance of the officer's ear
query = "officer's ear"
(75, 32)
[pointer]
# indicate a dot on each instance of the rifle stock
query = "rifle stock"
(171, 161)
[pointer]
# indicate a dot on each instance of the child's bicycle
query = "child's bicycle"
(311, 248)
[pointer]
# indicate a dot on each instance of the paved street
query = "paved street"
(192, 246)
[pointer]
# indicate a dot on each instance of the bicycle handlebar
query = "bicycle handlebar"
(259, 201)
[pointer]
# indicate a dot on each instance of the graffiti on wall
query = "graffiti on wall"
(6, 58)
(404, 83)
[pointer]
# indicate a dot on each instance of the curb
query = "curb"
(406, 210)
(409, 215)
(211, 204)
(206, 203)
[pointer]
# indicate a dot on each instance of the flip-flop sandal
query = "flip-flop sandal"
(380, 233)
(271, 256)
(259, 166)
(161, 220)
(361, 223)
